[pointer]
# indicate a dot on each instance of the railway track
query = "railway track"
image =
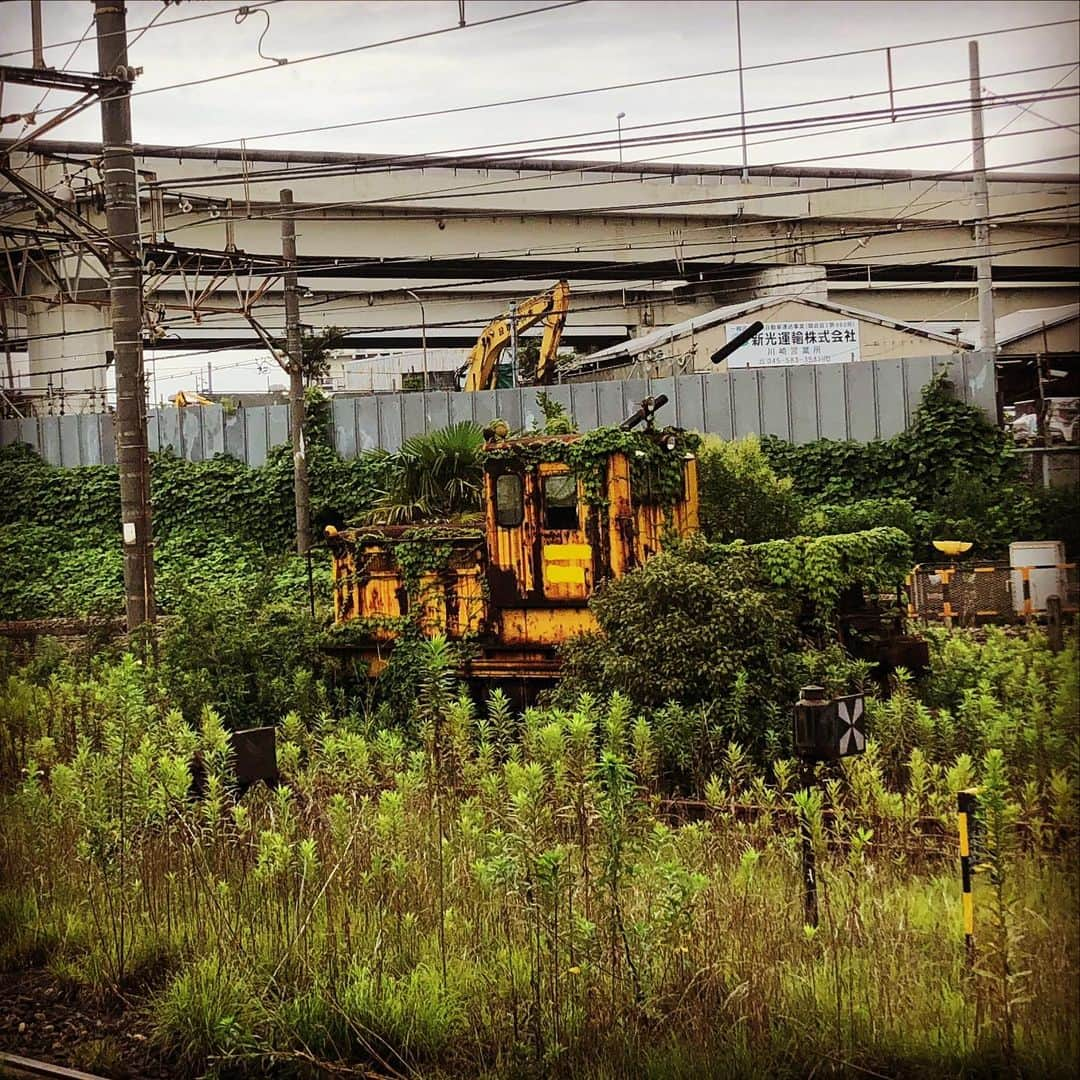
(21, 1068)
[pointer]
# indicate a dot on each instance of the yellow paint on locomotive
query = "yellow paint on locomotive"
(519, 589)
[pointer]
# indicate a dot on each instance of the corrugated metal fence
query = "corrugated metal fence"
(862, 401)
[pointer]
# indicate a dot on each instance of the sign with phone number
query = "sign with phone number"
(780, 344)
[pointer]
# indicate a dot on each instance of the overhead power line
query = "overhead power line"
(152, 25)
(533, 98)
(418, 36)
(381, 163)
(855, 272)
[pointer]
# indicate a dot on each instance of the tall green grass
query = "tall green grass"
(500, 895)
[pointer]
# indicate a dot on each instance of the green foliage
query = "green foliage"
(656, 470)
(557, 420)
(501, 895)
(956, 471)
(681, 630)
(432, 477)
(249, 659)
(742, 498)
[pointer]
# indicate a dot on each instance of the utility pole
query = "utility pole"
(125, 302)
(294, 348)
(35, 33)
(987, 337)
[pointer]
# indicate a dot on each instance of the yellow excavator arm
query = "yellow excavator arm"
(551, 306)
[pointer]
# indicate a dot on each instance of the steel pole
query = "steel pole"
(294, 347)
(987, 336)
(125, 302)
(423, 334)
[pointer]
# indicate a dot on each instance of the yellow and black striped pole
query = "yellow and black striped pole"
(965, 806)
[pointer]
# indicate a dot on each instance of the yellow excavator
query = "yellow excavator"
(482, 367)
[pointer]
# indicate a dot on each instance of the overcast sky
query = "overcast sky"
(587, 45)
(590, 44)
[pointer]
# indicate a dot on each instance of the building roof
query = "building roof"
(627, 350)
(1019, 324)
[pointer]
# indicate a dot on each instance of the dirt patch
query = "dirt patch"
(38, 1019)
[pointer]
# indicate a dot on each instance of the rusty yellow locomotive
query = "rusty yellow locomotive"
(561, 514)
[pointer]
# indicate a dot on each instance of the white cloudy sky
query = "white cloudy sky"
(590, 44)
(587, 45)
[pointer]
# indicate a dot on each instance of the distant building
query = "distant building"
(386, 372)
(796, 331)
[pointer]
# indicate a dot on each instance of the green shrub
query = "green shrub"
(742, 498)
(681, 630)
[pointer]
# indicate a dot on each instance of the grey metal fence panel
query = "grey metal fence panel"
(191, 434)
(70, 448)
(213, 425)
(508, 407)
(255, 430)
(690, 397)
(153, 430)
(367, 424)
(889, 394)
(436, 409)
(485, 407)
(633, 390)
(745, 403)
(861, 402)
(234, 435)
(277, 425)
(918, 371)
(413, 415)
(670, 412)
(169, 431)
(461, 408)
(773, 388)
(584, 406)
(873, 399)
(107, 430)
(391, 433)
(980, 381)
(609, 403)
(718, 414)
(802, 403)
(832, 401)
(563, 395)
(50, 439)
(531, 416)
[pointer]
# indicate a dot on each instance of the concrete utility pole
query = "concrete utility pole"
(987, 337)
(35, 33)
(294, 348)
(125, 301)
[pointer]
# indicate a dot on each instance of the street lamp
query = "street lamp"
(423, 333)
(619, 116)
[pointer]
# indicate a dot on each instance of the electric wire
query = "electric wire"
(839, 275)
(627, 85)
(152, 25)
(463, 156)
(420, 35)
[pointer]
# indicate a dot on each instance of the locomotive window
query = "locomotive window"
(509, 503)
(560, 501)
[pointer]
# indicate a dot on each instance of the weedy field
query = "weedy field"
(589, 889)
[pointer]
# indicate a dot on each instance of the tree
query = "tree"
(317, 351)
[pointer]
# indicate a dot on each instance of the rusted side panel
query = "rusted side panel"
(535, 626)
(621, 554)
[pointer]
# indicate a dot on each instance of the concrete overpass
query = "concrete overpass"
(643, 246)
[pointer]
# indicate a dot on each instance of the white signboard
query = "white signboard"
(783, 343)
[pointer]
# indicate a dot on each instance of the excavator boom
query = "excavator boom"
(551, 306)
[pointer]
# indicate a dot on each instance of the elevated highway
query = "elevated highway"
(643, 246)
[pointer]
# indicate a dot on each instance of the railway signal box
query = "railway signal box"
(827, 729)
